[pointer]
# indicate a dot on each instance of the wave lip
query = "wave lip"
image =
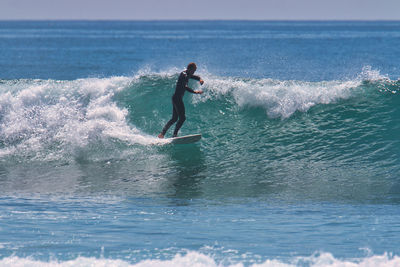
(281, 99)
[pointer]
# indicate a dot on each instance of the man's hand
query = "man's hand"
(199, 92)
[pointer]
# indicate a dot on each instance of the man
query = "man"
(178, 111)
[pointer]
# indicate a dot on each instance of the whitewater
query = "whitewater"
(298, 165)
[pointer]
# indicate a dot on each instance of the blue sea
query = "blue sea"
(298, 165)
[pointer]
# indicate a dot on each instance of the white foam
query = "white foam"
(278, 98)
(39, 114)
(195, 259)
(281, 99)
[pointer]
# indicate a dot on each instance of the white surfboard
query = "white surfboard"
(187, 139)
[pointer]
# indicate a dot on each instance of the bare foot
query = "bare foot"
(160, 136)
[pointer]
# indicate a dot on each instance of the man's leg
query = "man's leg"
(170, 122)
(182, 117)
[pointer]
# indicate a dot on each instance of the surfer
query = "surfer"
(178, 108)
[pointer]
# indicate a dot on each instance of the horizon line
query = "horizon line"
(222, 20)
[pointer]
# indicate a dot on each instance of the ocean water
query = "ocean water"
(299, 164)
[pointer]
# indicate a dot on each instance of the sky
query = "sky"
(199, 10)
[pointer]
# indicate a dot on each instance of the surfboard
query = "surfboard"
(187, 139)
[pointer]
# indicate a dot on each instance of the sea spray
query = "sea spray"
(281, 99)
(39, 116)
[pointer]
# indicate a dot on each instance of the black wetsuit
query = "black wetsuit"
(178, 108)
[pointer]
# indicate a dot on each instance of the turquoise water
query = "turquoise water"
(298, 164)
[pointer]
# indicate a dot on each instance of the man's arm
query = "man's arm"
(193, 91)
(190, 90)
(197, 78)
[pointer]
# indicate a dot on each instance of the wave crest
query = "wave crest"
(281, 99)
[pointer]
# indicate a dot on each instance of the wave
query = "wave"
(52, 115)
(281, 99)
(202, 260)
(53, 118)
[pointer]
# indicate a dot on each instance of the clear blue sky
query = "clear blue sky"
(202, 9)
